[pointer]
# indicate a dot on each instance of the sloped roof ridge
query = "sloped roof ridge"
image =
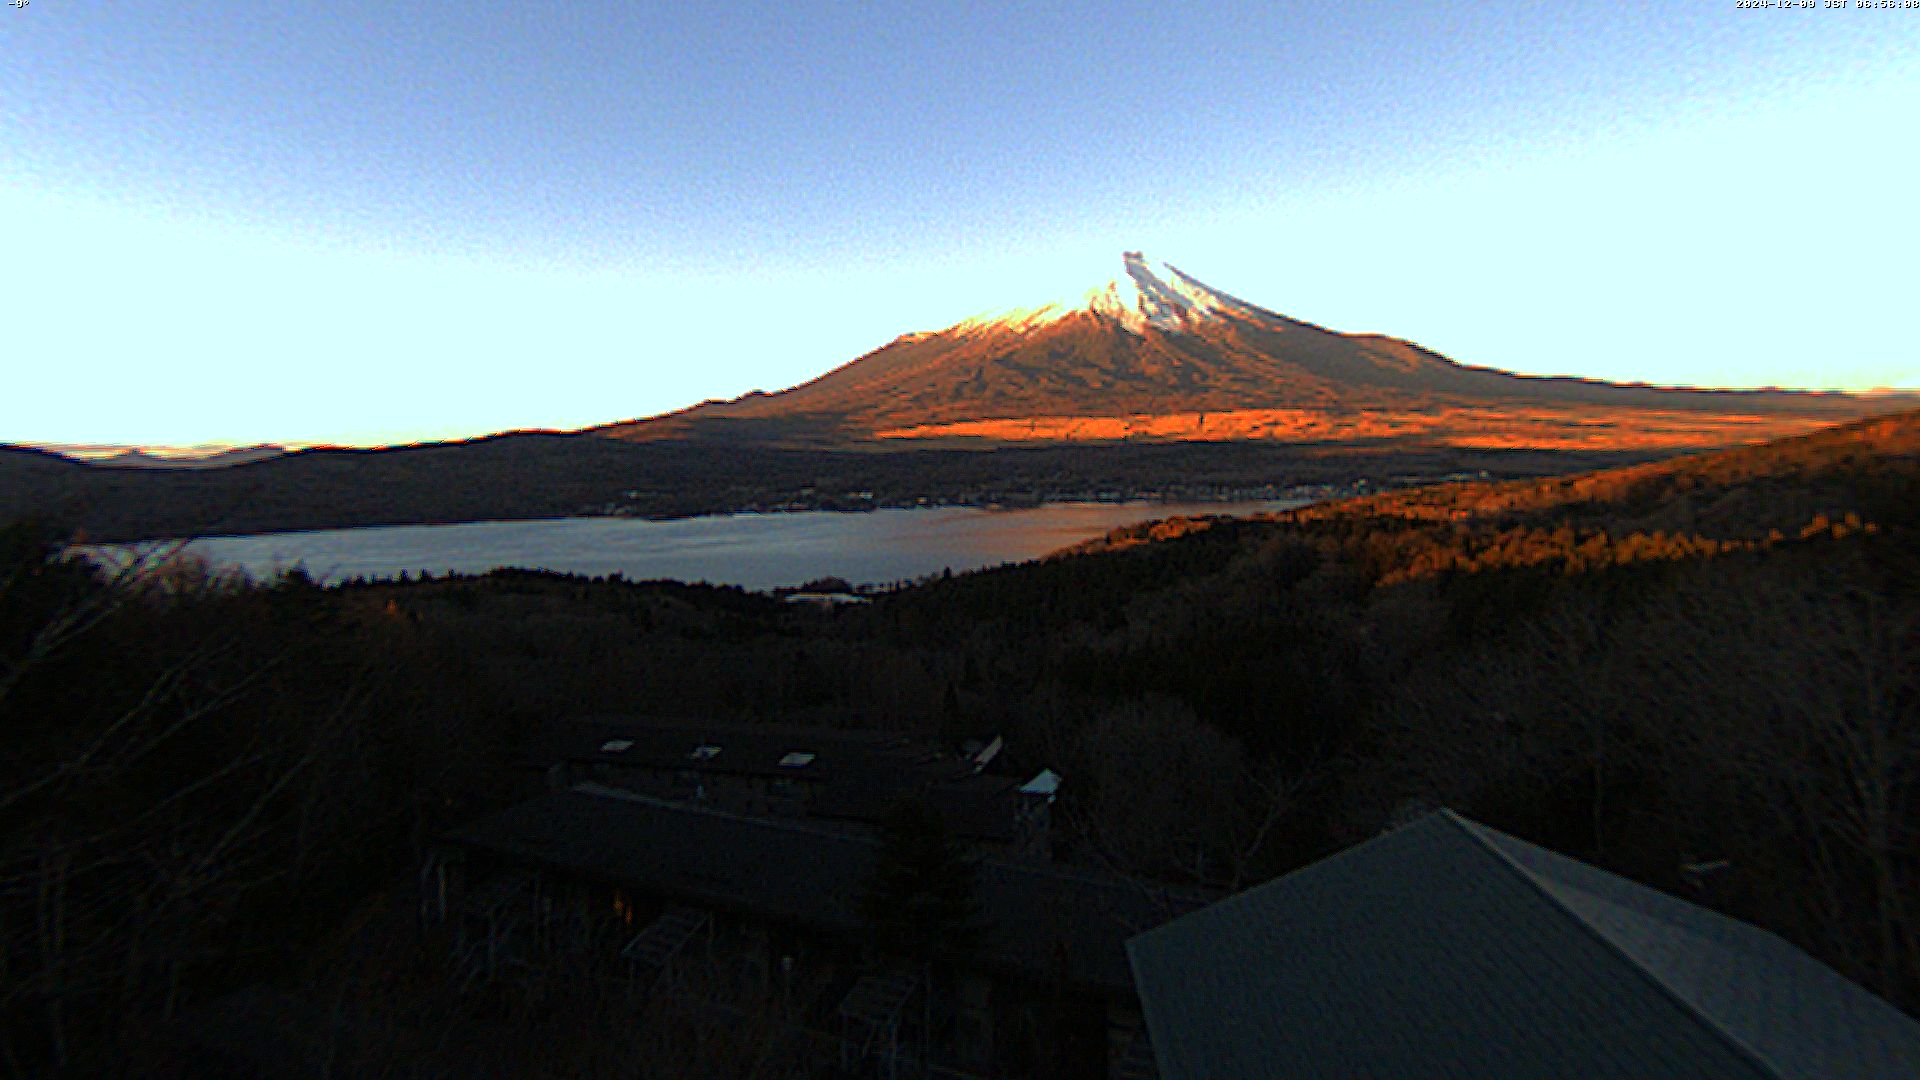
(1740, 1047)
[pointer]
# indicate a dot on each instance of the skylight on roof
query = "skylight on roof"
(705, 752)
(615, 746)
(1047, 784)
(797, 759)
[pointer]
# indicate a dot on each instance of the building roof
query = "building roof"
(1447, 949)
(748, 749)
(853, 775)
(1039, 922)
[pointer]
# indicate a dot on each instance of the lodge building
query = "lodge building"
(670, 857)
(677, 859)
(829, 777)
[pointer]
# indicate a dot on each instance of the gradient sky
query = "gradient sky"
(368, 222)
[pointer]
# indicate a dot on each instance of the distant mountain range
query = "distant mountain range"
(1155, 354)
(162, 457)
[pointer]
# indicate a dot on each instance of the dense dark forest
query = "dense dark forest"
(1701, 673)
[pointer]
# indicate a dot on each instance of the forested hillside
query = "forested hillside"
(1700, 673)
(536, 475)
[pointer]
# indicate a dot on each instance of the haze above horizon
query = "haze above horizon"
(360, 223)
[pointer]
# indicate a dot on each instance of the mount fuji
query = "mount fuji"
(1155, 354)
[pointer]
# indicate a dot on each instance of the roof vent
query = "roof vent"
(615, 746)
(705, 752)
(797, 759)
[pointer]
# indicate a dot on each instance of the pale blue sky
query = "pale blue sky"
(366, 222)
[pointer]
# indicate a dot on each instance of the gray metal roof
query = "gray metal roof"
(1448, 949)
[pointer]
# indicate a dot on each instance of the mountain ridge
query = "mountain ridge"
(1155, 352)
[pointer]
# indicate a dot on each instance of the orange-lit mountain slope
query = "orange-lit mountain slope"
(1158, 355)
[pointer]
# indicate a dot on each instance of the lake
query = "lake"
(757, 551)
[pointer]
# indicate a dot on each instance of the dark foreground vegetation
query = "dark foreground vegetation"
(1703, 674)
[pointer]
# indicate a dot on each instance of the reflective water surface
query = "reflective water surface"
(758, 551)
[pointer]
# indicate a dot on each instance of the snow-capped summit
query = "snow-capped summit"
(1168, 299)
(1146, 293)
